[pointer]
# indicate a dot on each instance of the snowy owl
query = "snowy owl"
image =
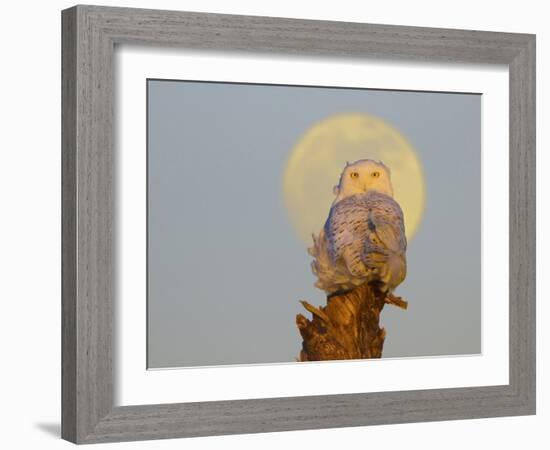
(363, 240)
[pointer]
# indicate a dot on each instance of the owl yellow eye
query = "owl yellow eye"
(354, 175)
(375, 174)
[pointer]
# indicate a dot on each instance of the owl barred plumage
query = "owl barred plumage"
(363, 240)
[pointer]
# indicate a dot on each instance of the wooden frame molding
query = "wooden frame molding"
(89, 37)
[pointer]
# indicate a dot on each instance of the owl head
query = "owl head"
(363, 176)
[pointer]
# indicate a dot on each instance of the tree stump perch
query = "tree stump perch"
(348, 327)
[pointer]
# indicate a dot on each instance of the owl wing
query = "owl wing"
(346, 230)
(385, 247)
(363, 230)
(386, 225)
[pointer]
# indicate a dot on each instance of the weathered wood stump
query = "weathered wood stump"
(348, 327)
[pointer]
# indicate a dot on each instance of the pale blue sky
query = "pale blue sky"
(225, 267)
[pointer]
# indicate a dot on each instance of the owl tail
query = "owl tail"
(320, 266)
(330, 277)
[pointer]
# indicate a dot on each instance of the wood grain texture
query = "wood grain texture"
(522, 191)
(347, 327)
(88, 211)
(68, 227)
(89, 36)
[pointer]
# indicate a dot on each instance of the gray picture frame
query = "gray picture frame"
(90, 34)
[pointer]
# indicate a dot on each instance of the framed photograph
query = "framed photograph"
(278, 224)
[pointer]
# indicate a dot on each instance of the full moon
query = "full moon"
(318, 158)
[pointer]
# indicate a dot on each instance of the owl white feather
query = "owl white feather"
(363, 240)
